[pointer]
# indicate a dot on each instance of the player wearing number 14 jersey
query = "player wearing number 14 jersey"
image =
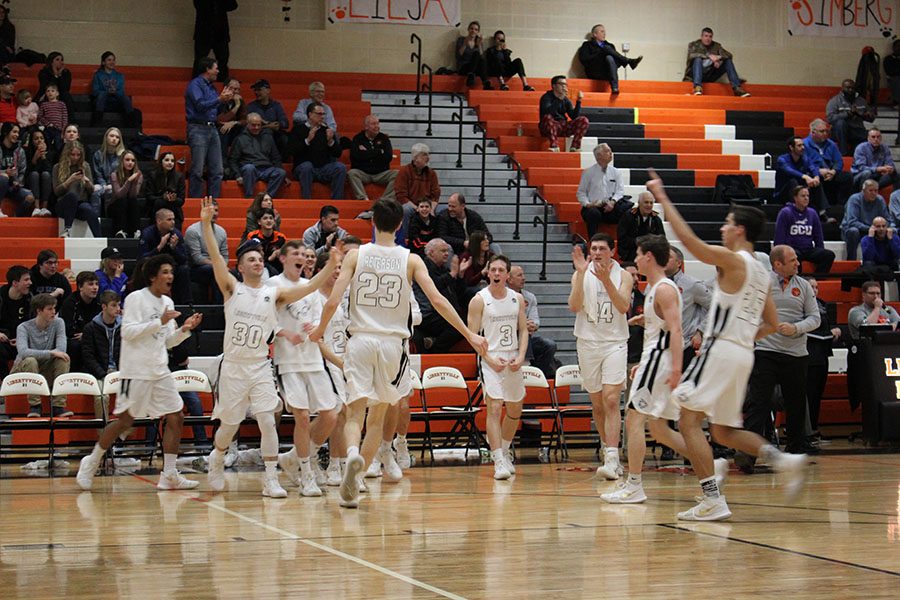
(245, 378)
(600, 297)
(378, 276)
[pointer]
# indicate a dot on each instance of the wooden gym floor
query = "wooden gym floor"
(454, 532)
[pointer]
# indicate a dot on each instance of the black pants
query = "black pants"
(508, 70)
(181, 285)
(125, 214)
(442, 334)
(477, 67)
(790, 372)
(823, 258)
(593, 216)
(816, 376)
(839, 188)
(541, 353)
(8, 352)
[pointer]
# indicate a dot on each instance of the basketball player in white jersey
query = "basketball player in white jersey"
(306, 386)
(498, 313)
(714, 385)
(378, 276)
(600, 298)
(246, 379)
(148, 389)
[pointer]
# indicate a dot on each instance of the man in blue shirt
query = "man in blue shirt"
(201, 106)
(826, 156)
(873, 160)
(796, 168)
(861, 210)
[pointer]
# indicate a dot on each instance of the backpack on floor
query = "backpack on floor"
(736, 189)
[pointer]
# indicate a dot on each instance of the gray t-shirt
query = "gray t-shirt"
(858, 314)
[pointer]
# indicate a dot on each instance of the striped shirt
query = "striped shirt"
(53, 114)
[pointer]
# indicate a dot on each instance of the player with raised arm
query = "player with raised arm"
(498, 313)
(245, 375)
(600, 298)
(378, 276)
(148, 389)
(713, 387)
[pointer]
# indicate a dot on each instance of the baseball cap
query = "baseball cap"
(246, 246)
(260, 83)
(108, 252)
(6, 79)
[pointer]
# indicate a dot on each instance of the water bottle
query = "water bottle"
(519, 129)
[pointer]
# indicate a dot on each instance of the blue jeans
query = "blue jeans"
(104, 101)
(883, 180)
(17, 194)
(726, 67)
(851, 238)
(206, 151)
(273, 176)
(71, 206)
(333, 172)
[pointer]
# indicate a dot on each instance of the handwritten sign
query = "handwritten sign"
(397, 12)
(842, 18)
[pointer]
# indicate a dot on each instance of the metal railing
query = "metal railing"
(430, 86)
(482, 147)
(517, 182)
(545, 222)
(459, 117)
(416, 57)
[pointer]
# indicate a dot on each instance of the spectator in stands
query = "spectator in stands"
(201, 111)
(77, 311)
(53, 116)
(708, 61)
(101, 340)
(104, 163)
(73, 184)
(847, 112)
(41, 348)
(559, 117)
(321, 236)
(7, 97)
(271, 239)
(231, 120)
(635, 308)
(892, 69)
(56, 73)
(317, 95)
(422, 228)
(111, 275)
(470, 56)
(254, 157)
(211, 32)
(872, 311)
(458, 222)
(880, 250)
(473, 265)
(639, 220)
(179, 357)
(819, 343)
(45, 278)
(781, 358)
(108, 93)
(795, 168)
(125, 206)
(9, 50)
(695, 300)
(164, 238)
(825, 155)
(198, 256)
(434, 334)
(165, 188)
(371, 154)
(798, 226)
(309, 263)
(541, 350)
(861, 210)
(27, 111)
(272, 113)
(601, 192)
(262, 200)
(499, 63)
(601, 60)
(416, 181)
(38, 174)
(15, 308)
(873, 160)
(317, 150)
(13, 165)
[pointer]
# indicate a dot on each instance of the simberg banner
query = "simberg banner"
(397, 12)
(842, 18)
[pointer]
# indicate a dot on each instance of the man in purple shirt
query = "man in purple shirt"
(798, 226)
(201, 106)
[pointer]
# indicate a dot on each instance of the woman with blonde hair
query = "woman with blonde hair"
(105, 161)
(73, 185)
(124, 207)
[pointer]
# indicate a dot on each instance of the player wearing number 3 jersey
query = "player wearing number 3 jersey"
(600, 297)
(245, 377)
(378, 276)
(498, 313)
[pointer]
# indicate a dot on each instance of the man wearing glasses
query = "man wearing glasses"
(559, 117)
(316, 150)
(501, 65)
(825, 154)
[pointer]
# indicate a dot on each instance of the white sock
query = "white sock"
(401, 437)
(271, 473)
(97, 452)
(497, 455)
(333, 462)
(352, 451)
(169, 462)
(612, 453)
(342, 462)
(505, 444)
(292, 453)
(634, 478)
(304, 465)
(385, 446)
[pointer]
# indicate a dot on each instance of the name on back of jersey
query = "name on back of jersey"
(382, 263)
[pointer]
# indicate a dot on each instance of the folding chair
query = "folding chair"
(418, 415)
(568, 376)
(534, 378)
(449, 378)
(189, 380)
(18, 384)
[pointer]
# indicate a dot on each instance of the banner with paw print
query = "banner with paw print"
(842, 18)
(396, 12)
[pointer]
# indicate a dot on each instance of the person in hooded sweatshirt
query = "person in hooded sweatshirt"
(101, 342)
(798, 226)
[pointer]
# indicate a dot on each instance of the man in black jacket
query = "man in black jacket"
(77, 311)
(15, 308)
(46, 279)
(164, 238)
(640, 220)
(601, 60)
(101, 340)
(455, 224)
(316, 150)
(370, 160)
(434, 334)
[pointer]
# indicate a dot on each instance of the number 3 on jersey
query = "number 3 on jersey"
(379, 290)
(506, 335)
